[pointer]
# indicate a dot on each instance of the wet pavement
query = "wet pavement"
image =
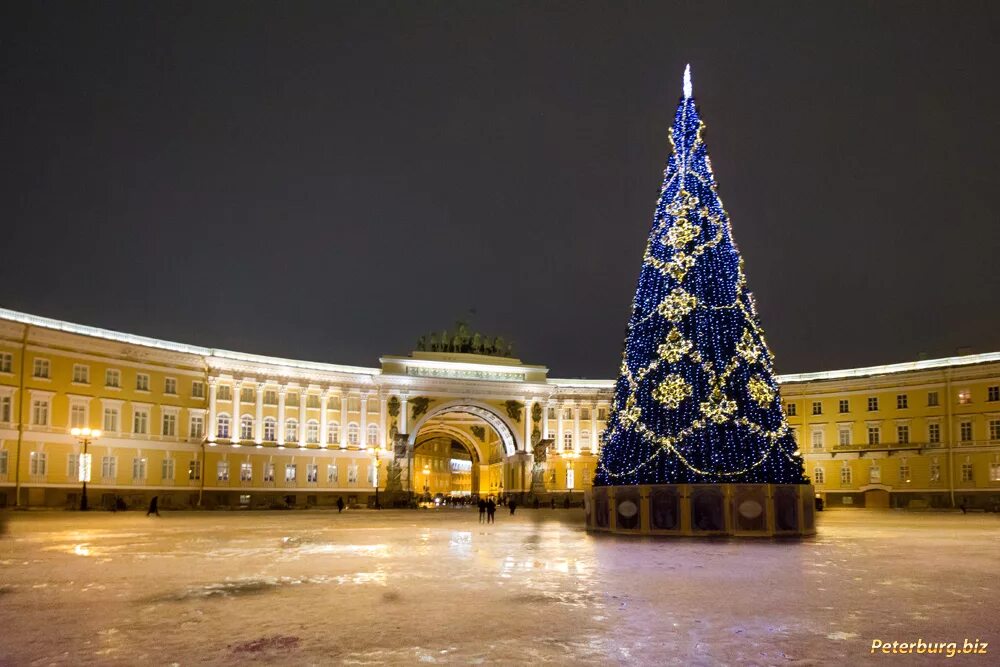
(435, 586)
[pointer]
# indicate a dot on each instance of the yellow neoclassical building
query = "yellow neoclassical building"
(203, 427)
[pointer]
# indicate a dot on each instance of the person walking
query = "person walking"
(512, 504)
(491, 511)
(482, 510)
(153, 509)
(340, 504)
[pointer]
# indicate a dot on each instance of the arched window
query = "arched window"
(246, 427)
(270, 429)
(819, 477)
(333, 433)
(291, 430)
(353, 434)
(312, 431)
(567, 441)
(372, 435)
(585, 439)
(222, 423)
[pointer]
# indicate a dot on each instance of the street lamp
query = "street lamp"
(427, 488)
(84, 436)
(376, 451)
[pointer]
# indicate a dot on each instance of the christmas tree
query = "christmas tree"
(696, 401)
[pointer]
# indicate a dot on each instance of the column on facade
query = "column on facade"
(234, 423)
(211, 427)
(363, 437)
(323, 403)
(403, 413)
(282, 393)
(258, 423)
(343, 420)
(545, 420)
(382, 412)
(303, 399)
(527, 425)
(576, 428)
(593, 427)
(559, 427)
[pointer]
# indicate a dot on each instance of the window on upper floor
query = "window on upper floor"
(246, 471)
(194, 470)
(790, 409)
(111, 420)
(965, 431)
(292, 430)
(817, 408)
(224, 393)
(140, 421)
(312, 401)
(246, 427)
(934, 433)
(967, 475)
(903, 434)
(353, 434)
(113, 378)
(222, 426)
(270, 397)
(222, 471)
(196, 427)
(141, 382)
(40, 412)
(246, 395)
(170, 424)
(372, 435)
(268, 475)
(933, 399)
(844, 436)
(817, 439)
(197, 389)
(290, 472)
(333, 433)
(602, 414)
(41, 369)
(6, 362)
(995, 429)
(993, 393)
(845, 476)
(5, 408)
(964, 396)
(81, 374)
(312, 431)
(872, 403)
(292, 399)
(904, 471)
(270, 429)
(77, 415)
(874, 435)
(844, 406)
(170, 386)
(902, 402)
(819, 477)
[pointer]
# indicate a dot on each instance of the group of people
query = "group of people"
(488, 509)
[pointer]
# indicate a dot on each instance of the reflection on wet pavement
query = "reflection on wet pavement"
(437, 587)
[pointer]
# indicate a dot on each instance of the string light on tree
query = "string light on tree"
(696, 400)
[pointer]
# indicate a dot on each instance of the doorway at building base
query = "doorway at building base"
(685, 510)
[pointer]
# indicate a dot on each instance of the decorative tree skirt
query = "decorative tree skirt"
(742, 510)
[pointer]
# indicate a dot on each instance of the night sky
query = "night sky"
(329, 180)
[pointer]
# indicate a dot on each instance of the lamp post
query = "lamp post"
(376, 451)
(84, 436)
(427, 488)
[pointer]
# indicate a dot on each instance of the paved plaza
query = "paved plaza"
(435, 586)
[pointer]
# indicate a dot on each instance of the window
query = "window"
(197, 389)
(995, 472)
(3, 462)
(292, 399)
(113, 378)
(567, 441)
(41, 368)
(40, 412)
(312, 401)
(270, 429)
(170, 386)
(875, 475)
(332, 474)
(903, 434)
(312, 431)
(844, 436)
(333, 433)
(334, 403)
(111, 420)
(246, 471)
(246, 395)
(874, 435)
(993, 393)
(790, 409)
(845, 476)
(352, 474)
(73, 467)
(932, 399)
(141, 382)
(965, 431)
(38, 462)
(170, 424)
(292, 430)
(290, 472)
(995, 429)
(817, 439)
(6, 362)
(372, 435)
(901, 402)
(270, 397)
(568, 413)
(312, 473)
(77, 415)
(222, 471)
(197, 427)
(844, 406)
(570, 478)
(967, 471)
(935, 474)
(140, 421)
(551, 413)
(109, 468)
(964, 397)
(818, 475)
(817, 408)
(139, 469)
(602, 414)
(585, 439)
(584, 413)
(268, 472)
(904, 471)
(81, 374)
(872, 403)
(194, 470)
(167, 470)
(224, 393)
(5, 408)
(353, 403)
(353, 433)
(246, 427)
(222, 426)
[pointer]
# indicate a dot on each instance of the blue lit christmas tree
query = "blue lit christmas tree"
(696, 401)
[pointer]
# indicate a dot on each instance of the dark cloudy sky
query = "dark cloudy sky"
(329, 180)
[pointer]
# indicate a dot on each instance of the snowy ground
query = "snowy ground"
(434, 586)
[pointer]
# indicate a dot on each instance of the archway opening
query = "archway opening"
(458, 456)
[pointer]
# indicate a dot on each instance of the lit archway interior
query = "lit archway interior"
(458, 454)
